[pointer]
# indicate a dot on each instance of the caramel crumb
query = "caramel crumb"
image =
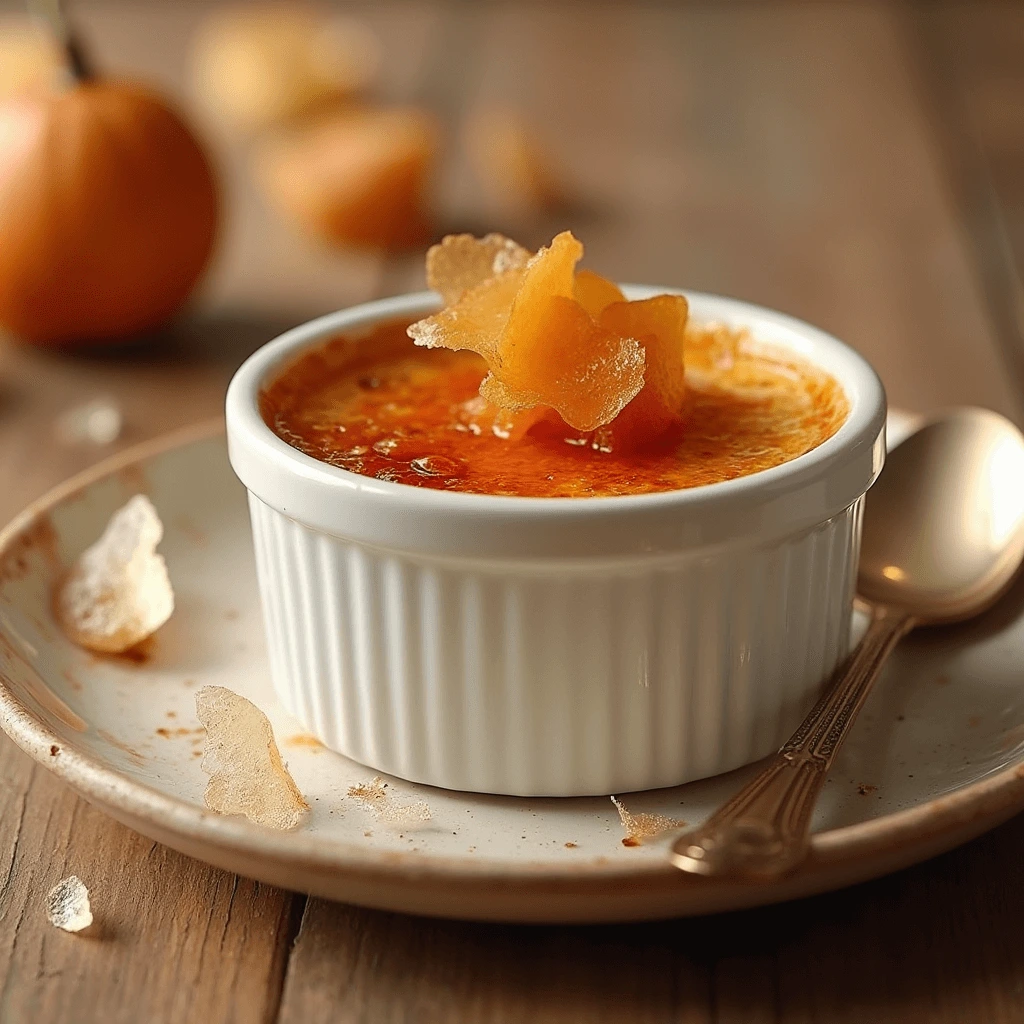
(54, 750)
(571, 846)
(643, 826)
(374, 794)
(864, 788)
(305, 739)
(141, 653)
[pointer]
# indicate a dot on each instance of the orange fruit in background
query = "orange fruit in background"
(108, 213)
(359, 177)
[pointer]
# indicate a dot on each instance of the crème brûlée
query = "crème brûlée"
(539, 380)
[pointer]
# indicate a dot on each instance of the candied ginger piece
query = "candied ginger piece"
(594, 292)
(476, 322)
(659, 324)
(541, 346)
(247, 775)
(67, 905)
(461, 262)
(118, 593)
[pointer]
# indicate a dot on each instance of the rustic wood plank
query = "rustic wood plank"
(932, 945)
(783, 154)
(172, 939)
(972, 62)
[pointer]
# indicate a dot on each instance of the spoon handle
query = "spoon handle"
(764, 830)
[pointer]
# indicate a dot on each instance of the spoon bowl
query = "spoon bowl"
(944, 524)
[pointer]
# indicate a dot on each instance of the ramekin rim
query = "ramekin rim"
(862, 426)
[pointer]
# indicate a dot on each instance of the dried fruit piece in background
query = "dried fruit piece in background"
(67, 905)
(513, 166)
(108, 213)
(358, 178)
(30, 60)
(247, 775)
(96, 422)
(118, 593)
(267, 63)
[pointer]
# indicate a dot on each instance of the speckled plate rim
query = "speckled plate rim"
(839, 857)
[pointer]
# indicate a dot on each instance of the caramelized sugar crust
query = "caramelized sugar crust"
(384, 408)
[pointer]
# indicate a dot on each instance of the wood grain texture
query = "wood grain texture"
(172, 940)
(790, 154)
(931, 945)
(972, 58)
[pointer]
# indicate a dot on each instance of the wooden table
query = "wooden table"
(858, 165)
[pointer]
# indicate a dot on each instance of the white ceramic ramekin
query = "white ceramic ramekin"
(556, 646)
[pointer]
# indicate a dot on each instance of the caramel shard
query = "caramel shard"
(595, 293)
(459, 263)
(359, 178)
(67, 905)
(247, 775)
(512, 164)
(374, 795)
(659, 324)
(118, 593)
(541, 345)
(641, 826)
(268, 63)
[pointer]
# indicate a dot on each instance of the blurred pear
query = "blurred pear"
(265, 64)
(360, 177)
(30, 60)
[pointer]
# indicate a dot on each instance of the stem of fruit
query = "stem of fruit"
(52, 13)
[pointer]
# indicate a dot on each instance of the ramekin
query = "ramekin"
(556, 646)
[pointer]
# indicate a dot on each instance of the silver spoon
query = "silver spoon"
(943, 539)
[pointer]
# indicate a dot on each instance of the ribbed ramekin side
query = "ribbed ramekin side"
(520, 678)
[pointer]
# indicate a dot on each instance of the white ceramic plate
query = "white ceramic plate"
(937, 757)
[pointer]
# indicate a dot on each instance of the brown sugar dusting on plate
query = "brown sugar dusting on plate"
(306, 740)
(374, 795)
(39, 537)
(141, 653)
(121, 745)
(641, 826)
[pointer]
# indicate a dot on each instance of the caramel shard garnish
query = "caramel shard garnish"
(247, 775)
(659, 324)
(641, 826)
(118, 592)
(67, 905)
(374, 794)
(541, 345)
(461, 262)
